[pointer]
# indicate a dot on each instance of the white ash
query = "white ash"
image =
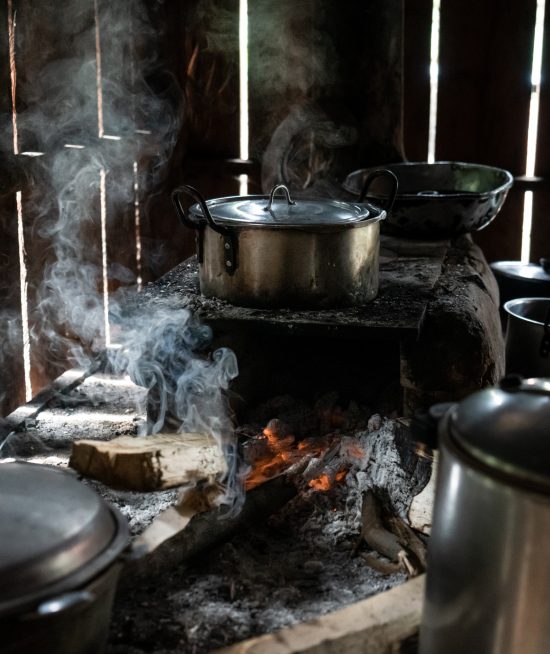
(382, 470)
(139, 509)
(297, 566)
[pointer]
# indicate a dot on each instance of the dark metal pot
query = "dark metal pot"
(528, 336)
(438, 200)
(488, 574)
(60, 556)
(266, 251)
(516, 279)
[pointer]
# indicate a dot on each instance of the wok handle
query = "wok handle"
(382, 172)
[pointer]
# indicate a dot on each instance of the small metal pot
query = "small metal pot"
(516, 279)
(528, 336)
(262, 251)
(60, 557)
(488, 575)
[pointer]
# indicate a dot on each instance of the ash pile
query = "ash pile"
(344, 535)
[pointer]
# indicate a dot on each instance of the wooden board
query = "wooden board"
(149, 462)
(376, 625)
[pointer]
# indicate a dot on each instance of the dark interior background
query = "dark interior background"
(361, 62)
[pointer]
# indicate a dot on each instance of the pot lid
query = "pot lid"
(51, 525)
(524, 271)
(507, 429)
(274, 211)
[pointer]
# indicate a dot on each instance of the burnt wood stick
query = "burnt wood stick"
(374, 533)
(409, 540)
(205, 530)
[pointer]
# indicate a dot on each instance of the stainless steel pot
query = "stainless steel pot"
(263, 251)
(528, 336)
(488, 581)
(60, 556)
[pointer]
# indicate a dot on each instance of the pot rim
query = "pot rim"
(365, 214)
(80, 577)
(56, 539)
(513, 269)
(511, 304)
(503, 428)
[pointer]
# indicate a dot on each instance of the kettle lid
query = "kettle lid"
(526, 272)
(508, 429)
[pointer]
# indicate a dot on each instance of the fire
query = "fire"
(325, 483)
(281, 451)
(322, 483)
(356, 452)
(277, 441)
(275, 449)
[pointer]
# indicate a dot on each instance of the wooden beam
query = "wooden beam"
(376, 625)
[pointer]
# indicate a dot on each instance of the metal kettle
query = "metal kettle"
(488, 580)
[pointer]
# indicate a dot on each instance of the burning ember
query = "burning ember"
(309, 438)
(276, 450)
(325, 483)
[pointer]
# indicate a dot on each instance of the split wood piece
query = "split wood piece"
(146, 463)
(377, 625)
(421, 509)
(173, 539)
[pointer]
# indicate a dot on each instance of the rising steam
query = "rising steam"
(89, 109)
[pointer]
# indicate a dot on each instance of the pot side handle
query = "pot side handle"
(382, 172)
(183, 214)
(61, 604)
(230, 242)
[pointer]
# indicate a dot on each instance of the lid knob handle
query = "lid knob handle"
(279, 187)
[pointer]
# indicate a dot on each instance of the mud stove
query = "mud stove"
(322, 405)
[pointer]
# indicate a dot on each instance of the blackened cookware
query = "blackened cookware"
(60, 557)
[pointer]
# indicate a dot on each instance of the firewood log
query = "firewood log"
(191, 528)
(145, 463)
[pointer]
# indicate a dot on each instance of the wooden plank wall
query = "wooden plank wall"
(483, 103)
(188, 55)
(12, 389)
(541, 223)
(56, 104)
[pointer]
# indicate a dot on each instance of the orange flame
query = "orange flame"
(324, 483)
(282, 451)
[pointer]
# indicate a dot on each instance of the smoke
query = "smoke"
(96, 78)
